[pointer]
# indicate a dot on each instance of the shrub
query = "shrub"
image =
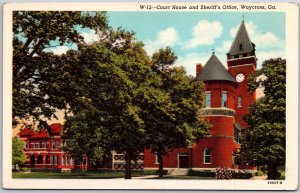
(240, 174)
(201, 173)
(223, 173)
(25, 169)
(54, 170)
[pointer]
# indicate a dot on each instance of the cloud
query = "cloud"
(189, 62)
(90, 36)
(204, 33)
(264, 40)
(224, 48)
(166, 37)
(59, 50)
(268, 54)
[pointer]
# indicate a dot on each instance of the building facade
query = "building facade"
(227, 100)
(44, 150)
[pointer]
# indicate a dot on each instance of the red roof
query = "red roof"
(55, 128)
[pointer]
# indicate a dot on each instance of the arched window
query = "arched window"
(206, 156)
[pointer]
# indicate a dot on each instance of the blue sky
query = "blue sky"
(193, 35)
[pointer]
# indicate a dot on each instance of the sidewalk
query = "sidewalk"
(259, 178)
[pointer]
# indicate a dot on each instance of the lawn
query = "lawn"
(52, 175)
(186, 178)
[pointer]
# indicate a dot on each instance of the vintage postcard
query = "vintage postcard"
(168, 96)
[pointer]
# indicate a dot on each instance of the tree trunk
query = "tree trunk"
(161, 164)
(127, 165)
(272, 172)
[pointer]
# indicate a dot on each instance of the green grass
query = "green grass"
(51, 175)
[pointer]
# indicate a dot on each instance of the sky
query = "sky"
(193, 35)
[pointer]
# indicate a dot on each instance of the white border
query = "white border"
(292, 48)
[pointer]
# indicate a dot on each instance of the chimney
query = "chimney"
(198, 69)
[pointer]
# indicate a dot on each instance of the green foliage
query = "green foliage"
(18, 153)
(110, 76)
(201, 173)
(23, 169)
(263, 142)
(39, 78)
(171, 102)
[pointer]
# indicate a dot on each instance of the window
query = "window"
(41, 144)
(207, 156)
(25, 144)
(241, 47)
(239, 102)
(224, 99)
(39, 159)
(207, 99)
(57, 144)
(53, 144)
(62, 160)
(55, 161)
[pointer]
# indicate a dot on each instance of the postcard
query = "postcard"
(150, 95)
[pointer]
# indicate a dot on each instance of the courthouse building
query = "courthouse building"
(227, 100)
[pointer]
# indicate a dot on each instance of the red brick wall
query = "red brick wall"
(216, 88)
(242, 90)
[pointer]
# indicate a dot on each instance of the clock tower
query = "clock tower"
(241, 62)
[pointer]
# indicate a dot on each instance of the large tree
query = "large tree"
(171, 110)
(18, 153)
(109, 76)
(264, 142)
(38, 79)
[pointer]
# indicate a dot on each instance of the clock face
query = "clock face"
(240, 77)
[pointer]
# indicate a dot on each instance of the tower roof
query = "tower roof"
(214, 70)
(242, 43)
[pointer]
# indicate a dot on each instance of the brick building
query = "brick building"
(226, 102)
(44, 150)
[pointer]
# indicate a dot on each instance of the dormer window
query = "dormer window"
(241, 46)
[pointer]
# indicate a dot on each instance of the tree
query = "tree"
(18, 153)
(109, 77)
(171, 107)
(39, 87)
(263, 142)
(83, 136)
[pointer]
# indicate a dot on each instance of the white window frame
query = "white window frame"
(239, 101)
(208, 92)
(204, 156)
(226, 101)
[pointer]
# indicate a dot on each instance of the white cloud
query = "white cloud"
(90, 36)
(189, 62)
(59, 50)
(224, 48)
(266, 55)
(166, 37)
(264, 40)
(205, 33)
